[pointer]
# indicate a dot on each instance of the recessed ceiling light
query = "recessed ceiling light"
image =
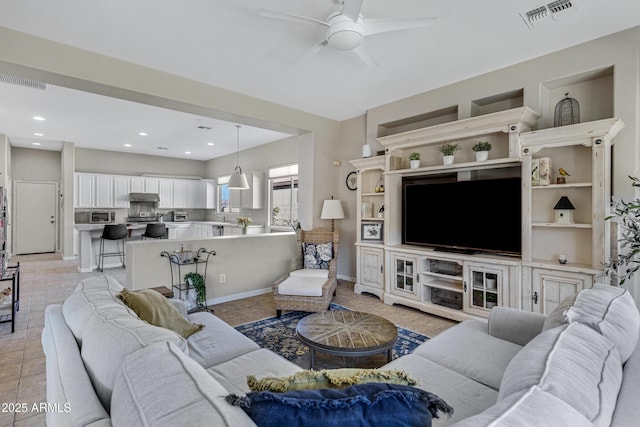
(127, 145)
(36, 143)
(142, 133)
(38, 134)
(187, 152)
(210, 143)
(39, 118)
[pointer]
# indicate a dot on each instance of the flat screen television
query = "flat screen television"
(482, 215)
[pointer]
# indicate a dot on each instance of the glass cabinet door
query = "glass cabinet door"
(406, 277)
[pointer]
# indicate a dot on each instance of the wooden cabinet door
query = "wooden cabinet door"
(121, 191)
(104, 191)
(371, 268)
(550, 287)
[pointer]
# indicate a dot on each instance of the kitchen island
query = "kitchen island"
(244, 265)
(89, 244)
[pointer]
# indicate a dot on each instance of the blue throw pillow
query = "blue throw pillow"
(371, 404)
(317, 255)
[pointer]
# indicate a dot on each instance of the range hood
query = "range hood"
(144, 197)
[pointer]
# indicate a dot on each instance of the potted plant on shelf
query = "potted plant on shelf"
(196, 281)
(482, 150)
(448, 151)
(414, 160)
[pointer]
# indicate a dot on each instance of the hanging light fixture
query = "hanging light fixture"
(238, 180)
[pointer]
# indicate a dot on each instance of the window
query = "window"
(224, 195)
(283, 195)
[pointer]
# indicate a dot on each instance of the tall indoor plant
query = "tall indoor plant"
(627, 263)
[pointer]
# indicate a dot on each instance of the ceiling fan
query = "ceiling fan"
(347, 28)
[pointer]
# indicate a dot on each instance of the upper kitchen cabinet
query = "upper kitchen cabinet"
(121, 190)
(94, 191)
(253, 198)
(165, 190)
(179, 193)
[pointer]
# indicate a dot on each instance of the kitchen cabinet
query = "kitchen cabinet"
(152, 185)
(84, 192)
(121, 190)
(165, 191)
(210, 193)
(137, 184)
(195, 198)
(179, 193)
(253, 198)
(94, 191)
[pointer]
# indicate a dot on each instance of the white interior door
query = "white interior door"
(35, 217)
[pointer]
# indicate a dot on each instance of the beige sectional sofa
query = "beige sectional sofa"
(581, 366)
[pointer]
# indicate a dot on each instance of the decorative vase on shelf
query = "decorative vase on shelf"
(244, 230)
(414, 163)
(481, 156)
(447, 160)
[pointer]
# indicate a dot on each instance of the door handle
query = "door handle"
(535, 297)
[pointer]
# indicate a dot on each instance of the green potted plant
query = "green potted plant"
(482, 150)
(627, 263)
(197, 281)
(414, 160)
(448, 151)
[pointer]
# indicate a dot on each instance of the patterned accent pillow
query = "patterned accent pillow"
(317, 255)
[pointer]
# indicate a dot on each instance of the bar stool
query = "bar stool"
(156, 230)
(113, 232)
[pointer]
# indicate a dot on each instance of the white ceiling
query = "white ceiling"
(226, 43)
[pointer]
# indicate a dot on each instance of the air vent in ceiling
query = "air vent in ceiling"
(204, 127)
(538, 14)
(20, 81)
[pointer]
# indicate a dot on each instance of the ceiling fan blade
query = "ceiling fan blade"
(289, 17)
(377, 26)
(365, 55)
(314, 50)
(352, 8)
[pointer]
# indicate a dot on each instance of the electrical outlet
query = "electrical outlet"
(223, 278)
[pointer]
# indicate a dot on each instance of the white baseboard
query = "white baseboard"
(241, 295)
(350, 279)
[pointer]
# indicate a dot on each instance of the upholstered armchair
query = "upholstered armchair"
(312, 282)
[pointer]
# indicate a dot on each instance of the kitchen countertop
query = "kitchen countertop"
(130, 226)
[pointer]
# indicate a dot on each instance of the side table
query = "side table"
(12, 273)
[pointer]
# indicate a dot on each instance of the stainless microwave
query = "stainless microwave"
(102, 217)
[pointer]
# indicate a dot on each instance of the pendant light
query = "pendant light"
(238, 180)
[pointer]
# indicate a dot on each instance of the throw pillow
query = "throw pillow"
(329, 378)
(157, 310)
(372, 404)
(317, 255)
(557, 316)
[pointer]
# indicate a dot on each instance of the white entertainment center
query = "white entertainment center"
(458, 286)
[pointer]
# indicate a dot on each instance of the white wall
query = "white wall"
(35, 165)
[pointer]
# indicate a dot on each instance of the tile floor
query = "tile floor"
(46, 279)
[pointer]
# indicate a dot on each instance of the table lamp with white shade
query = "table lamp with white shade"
(332, 209)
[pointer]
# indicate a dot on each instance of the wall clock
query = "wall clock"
(352, 181)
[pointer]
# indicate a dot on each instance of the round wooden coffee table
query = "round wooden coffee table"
(347, 333)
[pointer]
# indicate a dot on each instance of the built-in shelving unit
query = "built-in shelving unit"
(459, 286)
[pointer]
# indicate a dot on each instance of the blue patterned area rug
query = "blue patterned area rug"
(279, 335)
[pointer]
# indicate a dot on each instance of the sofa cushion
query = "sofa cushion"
(302, 286)
(357, 405)
(467, 397)
(575, 364)
(610, 310)
(329, 378)
(95, 296)
(627, 409)
(153, 307)
(160, 386)
(469, 350)
(66, 380)
(217, 342)
(317, 255)
(311, 272)
(531, 407)
(233, 373)
(106, 342)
